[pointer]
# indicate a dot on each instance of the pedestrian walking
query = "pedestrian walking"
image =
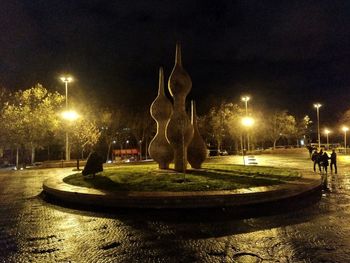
(315, 158)
(334, 161)
(324, 161)
(319, 161)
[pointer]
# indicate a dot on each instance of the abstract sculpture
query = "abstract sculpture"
(161, 109)
(179, 130)
(197, 150)
(94, 164)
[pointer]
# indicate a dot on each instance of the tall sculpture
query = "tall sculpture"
(179, 130)
(197, 150)
(161, 109)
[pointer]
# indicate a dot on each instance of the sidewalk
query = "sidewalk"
(55, 187)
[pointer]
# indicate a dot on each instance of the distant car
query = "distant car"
(130, 159)
(6, 165)
(280, 147)
(223, 153)
(215, 152)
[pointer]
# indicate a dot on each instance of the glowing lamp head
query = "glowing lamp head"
(70, 115)
(66, 79)
(245, 98)
(247, 121)
(326, 131)
(345, 129)
(317, 105)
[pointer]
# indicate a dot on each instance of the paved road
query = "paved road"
(32, 230)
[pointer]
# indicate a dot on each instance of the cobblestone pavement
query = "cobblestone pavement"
(33, 230)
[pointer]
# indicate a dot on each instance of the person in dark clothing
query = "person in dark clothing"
(334, 162)
(310, 149)
(324, 161)
(319, 160)
(315, 158)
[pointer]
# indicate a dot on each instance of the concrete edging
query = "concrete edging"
(56, 188)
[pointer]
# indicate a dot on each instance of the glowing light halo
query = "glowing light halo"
(70, 115)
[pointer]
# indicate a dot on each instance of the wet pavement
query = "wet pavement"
(33, 230)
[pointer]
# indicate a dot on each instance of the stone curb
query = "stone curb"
(56, 188)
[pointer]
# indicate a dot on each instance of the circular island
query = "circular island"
(215, 185)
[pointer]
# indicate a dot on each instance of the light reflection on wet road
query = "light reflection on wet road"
(32, 230)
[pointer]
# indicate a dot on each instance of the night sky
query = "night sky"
(285, 54)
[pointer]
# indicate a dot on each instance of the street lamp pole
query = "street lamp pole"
(345, 129)
(245, 99)
(66, 80)
(247, 122)
(317, 106)
(66, 85)
(140, 145)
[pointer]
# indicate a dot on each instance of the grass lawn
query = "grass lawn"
(147, 177)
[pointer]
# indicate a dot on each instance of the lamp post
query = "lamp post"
(245, 99)
(317, 106)
(140, 145)
(66, 80)
(345, 129)
(69, 116)
(247, 122)
(326, 131)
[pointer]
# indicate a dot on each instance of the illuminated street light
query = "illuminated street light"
(345, 129)
(66, 80)
(317, 106)
(67, 115)
(247, 121)
(326, 131)
(70, 115)
(246, 99)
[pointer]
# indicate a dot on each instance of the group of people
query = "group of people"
(321, 159)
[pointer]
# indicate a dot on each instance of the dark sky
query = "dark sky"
(285, 54)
